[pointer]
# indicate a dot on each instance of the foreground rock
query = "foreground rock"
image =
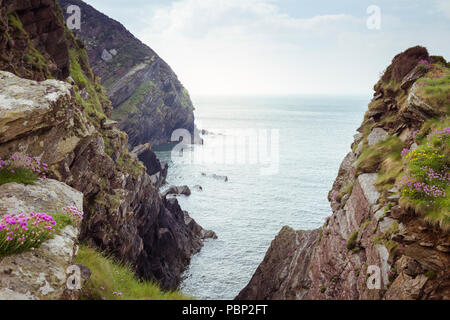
(41, 273)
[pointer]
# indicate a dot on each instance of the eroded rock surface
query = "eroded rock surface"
(40, 273)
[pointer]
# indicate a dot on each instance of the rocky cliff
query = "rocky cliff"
(386, 238)
(66, 124)
(149, 101)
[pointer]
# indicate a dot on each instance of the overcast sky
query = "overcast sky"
(281, 46)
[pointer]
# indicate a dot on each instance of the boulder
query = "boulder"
(175, 190)
(376, 135)
(40, 273)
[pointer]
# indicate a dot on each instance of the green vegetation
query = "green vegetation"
(426, 183)
(365, 224)
(434, 87)
(24, 232)
(346, 190)
(383, 154)
(351, 242)
(19, 175)
(129, 109)
(323, 289)
(431, 274)
(112, 280)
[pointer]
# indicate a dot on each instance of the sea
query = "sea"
(265, 162)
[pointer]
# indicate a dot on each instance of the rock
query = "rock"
(411, 77)
(289, 254)
(385, 224)
(40, 273)
(155, 169)
(442, 248)
(393, 190)
(394, 197)
(24, 100)
(379, 214)
(174, 190)
(215, 176)
(358, 138)
(406, 288)
(124, 213)
(106, 56)
(426, 244)
(396, 212)
(377, 135)
(40, 22)
(366, 182)
(109, 124)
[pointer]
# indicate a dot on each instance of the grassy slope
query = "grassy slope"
(109, 276)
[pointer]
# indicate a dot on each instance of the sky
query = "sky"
(232, 47)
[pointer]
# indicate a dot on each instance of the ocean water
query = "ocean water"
(283, 179)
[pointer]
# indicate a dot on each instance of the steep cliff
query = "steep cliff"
(149, 101)
(66, 125)
(390, 205)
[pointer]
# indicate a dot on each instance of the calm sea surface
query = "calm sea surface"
(268, 187)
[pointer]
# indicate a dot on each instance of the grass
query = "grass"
(109, 276)
(20, 175)
(351, 242)
(372, 158)
(129, 108)
(346, 190)
(434, 87)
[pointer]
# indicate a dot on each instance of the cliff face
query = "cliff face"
(149, 101)
(66, 125)
(374, 225)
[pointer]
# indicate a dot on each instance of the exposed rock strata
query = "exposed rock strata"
(365, 231)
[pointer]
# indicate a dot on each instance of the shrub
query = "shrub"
(323, 289)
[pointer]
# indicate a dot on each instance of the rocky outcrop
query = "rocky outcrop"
(155, 169)
(149, 101)
(370, 236)
(177, 190)
(42, 272)
(124, 213)
(35, 21)
(283, 274)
